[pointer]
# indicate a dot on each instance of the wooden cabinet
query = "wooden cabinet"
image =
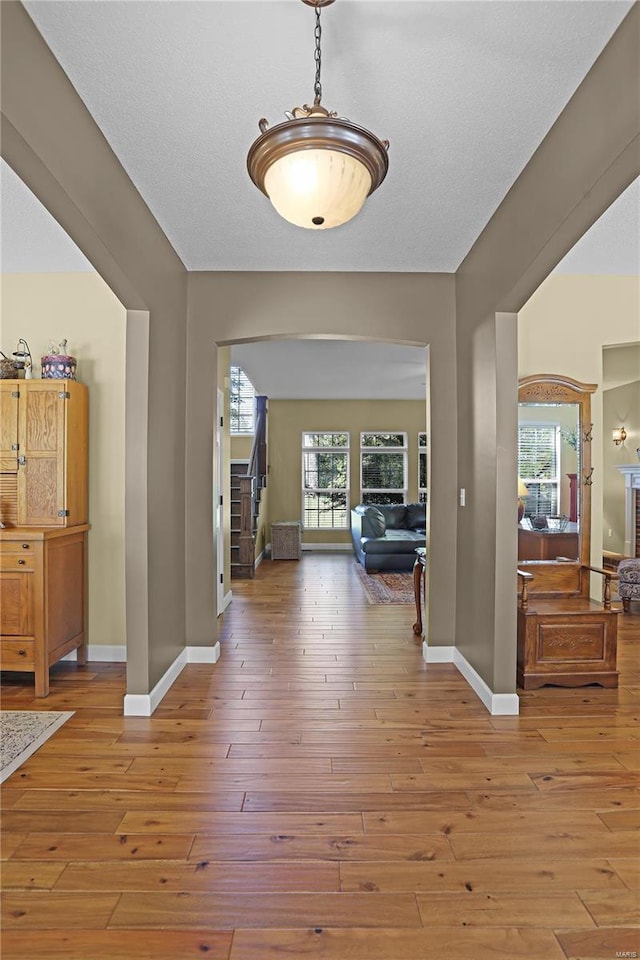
(43, 506)
(43, 453)
(569, 646)
(564, 637)
(42, 593)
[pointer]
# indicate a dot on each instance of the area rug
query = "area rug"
(386, 587)
(22, 732)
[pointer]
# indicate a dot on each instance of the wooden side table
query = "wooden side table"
(419, 584)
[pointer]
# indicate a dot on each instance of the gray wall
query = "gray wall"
(409, 308)
(590, 155)
(52, 142)
(588, 158)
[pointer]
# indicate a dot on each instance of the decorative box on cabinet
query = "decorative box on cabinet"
(43, 598)
(43, 453)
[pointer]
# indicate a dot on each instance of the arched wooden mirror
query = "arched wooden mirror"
(554, 481)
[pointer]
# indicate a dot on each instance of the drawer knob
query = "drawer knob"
(22, 561)
(25, 546)
(22, 653)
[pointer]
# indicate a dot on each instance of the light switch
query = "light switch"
(463, 497)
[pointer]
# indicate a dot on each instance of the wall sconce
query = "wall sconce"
(618, 435)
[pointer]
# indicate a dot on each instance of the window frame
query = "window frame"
(342, 450)
(551, 483)
(423, 451)
(404, 449)
(237, 415)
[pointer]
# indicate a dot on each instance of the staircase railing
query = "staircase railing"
(251, 485)
(258, 457)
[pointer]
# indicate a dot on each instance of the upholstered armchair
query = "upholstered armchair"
(629, 581)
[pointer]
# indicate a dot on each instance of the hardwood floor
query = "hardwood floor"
(320, 792)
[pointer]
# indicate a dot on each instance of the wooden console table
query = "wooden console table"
(419, 581)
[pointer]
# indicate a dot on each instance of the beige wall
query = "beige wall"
(289, 418)
(621, 407)
(80, 307)
(563, 328)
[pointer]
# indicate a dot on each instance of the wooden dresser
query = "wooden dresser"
(43, 506)
(43, 606)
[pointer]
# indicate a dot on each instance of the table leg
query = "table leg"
(418, 569)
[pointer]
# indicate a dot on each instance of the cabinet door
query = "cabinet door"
(9, 393)
(16, 609)
(41, 475)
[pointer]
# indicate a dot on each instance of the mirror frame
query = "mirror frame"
(555, 578)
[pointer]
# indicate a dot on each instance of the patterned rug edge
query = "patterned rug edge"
(19, 752)
(380, 589)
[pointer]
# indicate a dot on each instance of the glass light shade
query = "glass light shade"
(317, 189)
(522, 490)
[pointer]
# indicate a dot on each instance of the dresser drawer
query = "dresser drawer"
(22, 547)
(17, 653)
(17, 562)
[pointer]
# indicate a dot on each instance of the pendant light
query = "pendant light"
(317, 168)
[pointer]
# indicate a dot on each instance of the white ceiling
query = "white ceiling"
(333, 369)
(465, 92)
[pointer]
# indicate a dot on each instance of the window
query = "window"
(383, 467)
(538, 467)
(325, 481)
(422, 467)
(242, 402)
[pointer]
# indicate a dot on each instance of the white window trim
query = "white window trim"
(327, 490)
(241, 433)
(423, 448)
(405, 463)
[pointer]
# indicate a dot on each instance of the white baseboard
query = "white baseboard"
(228, 597)
(204, 654)
(259, 560)
(144, 704)
(437, 654)
(101, 653)
(334, 547)
(498, 704)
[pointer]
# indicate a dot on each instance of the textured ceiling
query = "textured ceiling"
(322, 369)
(465, 92)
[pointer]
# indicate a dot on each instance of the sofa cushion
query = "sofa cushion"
(376, 524)
(395, 515)
(416, 516)
(393, 542)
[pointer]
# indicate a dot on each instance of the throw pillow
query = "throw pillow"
(375, 521)
(396, 515)
(416, 516)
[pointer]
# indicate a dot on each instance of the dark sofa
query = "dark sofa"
(385, 536)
